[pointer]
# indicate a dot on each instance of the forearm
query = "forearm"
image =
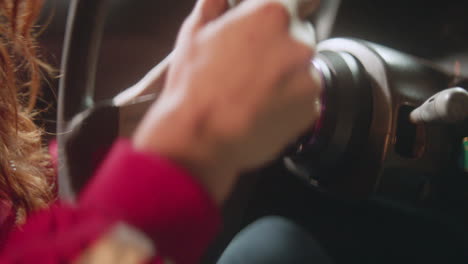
(145, 192)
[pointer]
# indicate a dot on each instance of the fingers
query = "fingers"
(304, 88)
(299, 29)
(206, 11)
(267, 25)
(300, 59)
(290, 56)
(272, 15)
(304, 7)
(301, 79)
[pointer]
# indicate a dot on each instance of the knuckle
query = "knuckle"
(210, 9)
(317, 81)
(300, 53)
(276, 12)
(303, 51)
(188, 26)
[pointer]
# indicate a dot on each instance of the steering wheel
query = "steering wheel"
(80, 118)
(356, 71)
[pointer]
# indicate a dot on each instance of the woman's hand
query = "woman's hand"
(238, 90)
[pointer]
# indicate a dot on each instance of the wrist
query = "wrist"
(175, 137)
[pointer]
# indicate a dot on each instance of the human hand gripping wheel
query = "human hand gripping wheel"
(218, 120)
(362, 138)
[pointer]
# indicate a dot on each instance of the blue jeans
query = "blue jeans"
(274, 240)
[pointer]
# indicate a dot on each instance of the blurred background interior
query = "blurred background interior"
(140, 33)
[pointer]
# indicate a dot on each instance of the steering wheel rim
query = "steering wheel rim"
(83, 35)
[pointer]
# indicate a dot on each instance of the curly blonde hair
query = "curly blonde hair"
(26, 174)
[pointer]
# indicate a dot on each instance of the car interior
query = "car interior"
(368, 183)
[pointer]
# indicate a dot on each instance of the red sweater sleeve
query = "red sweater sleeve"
(145, 191)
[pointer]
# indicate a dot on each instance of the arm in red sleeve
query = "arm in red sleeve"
(147, 192)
